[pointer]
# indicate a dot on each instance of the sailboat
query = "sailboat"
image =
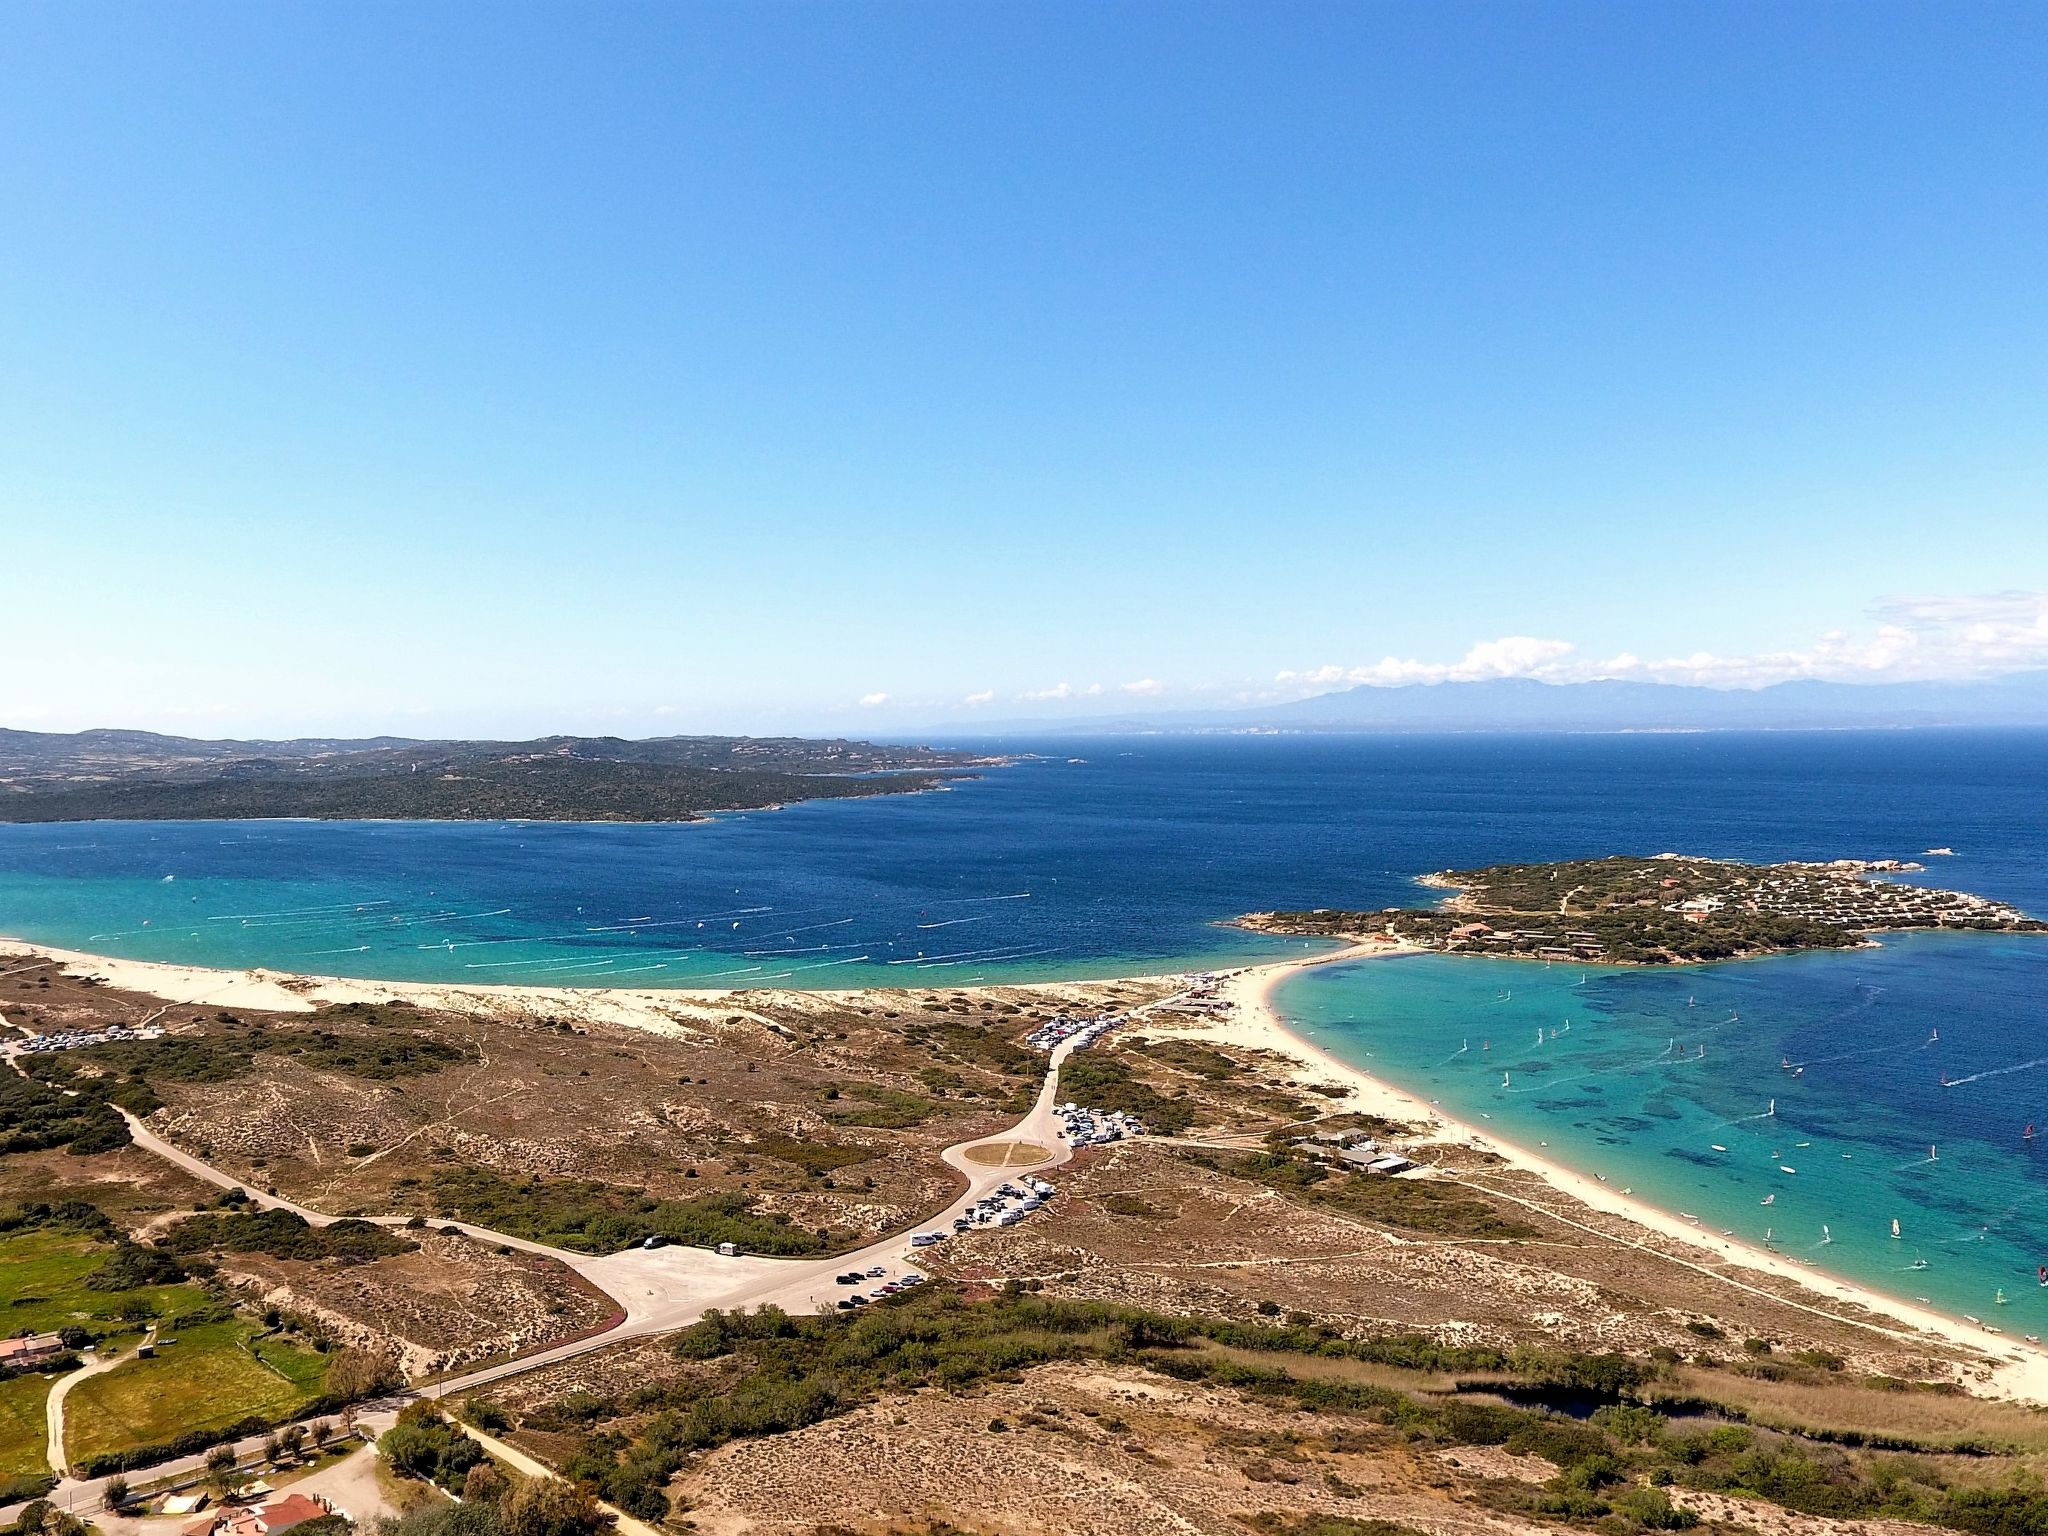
(1825, 1235)
(1895, 1226)
(1770, 1199)
(2028, 1133)
(1503, 1079)
(1999, 1299)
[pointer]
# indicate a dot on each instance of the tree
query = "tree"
(322, 1432)
(294, 1438)
(116, 1492)
(547, 1506)
(220, 1469)
(484, 1483)
(273, 1448)
(354, 1374)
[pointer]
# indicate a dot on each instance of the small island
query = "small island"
(1662, 910)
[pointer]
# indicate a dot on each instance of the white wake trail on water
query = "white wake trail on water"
(1974, 1077)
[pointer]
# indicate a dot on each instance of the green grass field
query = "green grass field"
(42, 1285)
(21, 1426)
(208, 1379)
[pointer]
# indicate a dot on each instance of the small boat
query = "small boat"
(1719, 1148)
(2042, 1274)
(1768, 1200)
(1786, 1168)
(1688, 1215)
(1917, 1264)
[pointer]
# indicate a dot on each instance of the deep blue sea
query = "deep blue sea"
(1109, 856)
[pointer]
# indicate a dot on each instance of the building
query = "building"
(29, 1350)
(264, 1519)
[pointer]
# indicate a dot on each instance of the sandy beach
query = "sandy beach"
(2015, 1368)
(2012, 1367)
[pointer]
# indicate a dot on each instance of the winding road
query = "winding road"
(659, 1290)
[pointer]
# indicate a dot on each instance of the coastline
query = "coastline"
(2017, 1369)
(2010, 1367)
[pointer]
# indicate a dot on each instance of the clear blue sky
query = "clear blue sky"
(442, 367)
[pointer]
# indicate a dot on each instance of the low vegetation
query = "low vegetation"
(602, 1218)
(34, 1116)
(1103, 1081)
(283, 1235)
(354, 1040)
(1435, 1206)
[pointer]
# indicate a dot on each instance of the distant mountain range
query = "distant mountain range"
(1524, 704)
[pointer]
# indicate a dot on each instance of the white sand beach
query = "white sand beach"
(2012, 1367)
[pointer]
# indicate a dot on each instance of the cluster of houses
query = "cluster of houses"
(246, 1516)
(1004, 1207)
(1358, 1152)
(1853, 903)
(1086, 1128)
(30, 1350)
(1567, 944)
(73, 1039)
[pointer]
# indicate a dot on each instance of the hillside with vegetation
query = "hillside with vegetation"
(136, 776)
(1661, 910)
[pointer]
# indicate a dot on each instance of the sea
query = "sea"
(1848, 1088)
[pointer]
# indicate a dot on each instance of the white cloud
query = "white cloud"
(1509, 656)
(871, 700)
(1144, 687)
(986, 696)
(1056, 691)
(1914, 638)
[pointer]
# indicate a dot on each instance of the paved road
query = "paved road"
(659, 1290)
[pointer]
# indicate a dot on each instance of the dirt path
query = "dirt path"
(659, 1290)
(53, 1405)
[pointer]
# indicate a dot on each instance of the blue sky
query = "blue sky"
(438, 367)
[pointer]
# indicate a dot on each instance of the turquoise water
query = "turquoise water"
(1126, 860)
(1659, 1066)
(1130, 859)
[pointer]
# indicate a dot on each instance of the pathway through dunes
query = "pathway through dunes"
(659, 1290)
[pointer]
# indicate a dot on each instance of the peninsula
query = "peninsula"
(713, 1257)
(139, 776)
(1666, 909)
